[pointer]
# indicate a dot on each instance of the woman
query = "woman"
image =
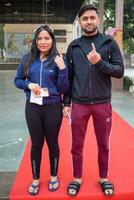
(43, 76)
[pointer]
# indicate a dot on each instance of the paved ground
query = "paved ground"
(123, 104)
(12, 123)
(129, 72)
(13, 130)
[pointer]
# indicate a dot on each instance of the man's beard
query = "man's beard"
(88, 31)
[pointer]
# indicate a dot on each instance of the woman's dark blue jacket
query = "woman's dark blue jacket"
(46, 74)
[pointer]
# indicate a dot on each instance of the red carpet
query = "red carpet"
(121, 167)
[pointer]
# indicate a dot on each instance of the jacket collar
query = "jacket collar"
(104, 39)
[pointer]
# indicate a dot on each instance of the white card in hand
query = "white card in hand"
(36, 99)
(44, 92)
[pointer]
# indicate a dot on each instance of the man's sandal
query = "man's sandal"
(52, 187)
(106, 186)
(34, 189)
(75, 186)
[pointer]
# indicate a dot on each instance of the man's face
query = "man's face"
(89, 22)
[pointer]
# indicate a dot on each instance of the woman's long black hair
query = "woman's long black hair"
(34, 52)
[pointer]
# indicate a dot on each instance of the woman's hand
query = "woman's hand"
(60, 61)
(35, 88)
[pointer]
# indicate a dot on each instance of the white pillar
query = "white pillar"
(118, 83)
(119, 21)
(119, 13)
(101, 14)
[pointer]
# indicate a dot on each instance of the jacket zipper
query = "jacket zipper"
(90, 85)
(41, 74)
(89, 74)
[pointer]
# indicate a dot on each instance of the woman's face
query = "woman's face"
(44, 42)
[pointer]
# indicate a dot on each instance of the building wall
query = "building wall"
(18, 38)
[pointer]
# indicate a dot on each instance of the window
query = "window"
(60, 36)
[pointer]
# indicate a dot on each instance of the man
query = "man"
(92, 60)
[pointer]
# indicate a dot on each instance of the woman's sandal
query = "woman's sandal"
(52, 184)
(74, 185)
(106, 186)
(35, 189)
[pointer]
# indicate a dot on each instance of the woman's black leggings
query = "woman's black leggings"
(44, 122)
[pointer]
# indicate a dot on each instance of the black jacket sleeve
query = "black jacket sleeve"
(114, 67)
(69, 60)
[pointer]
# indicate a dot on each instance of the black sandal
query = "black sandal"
(106, 186)
(75, 186)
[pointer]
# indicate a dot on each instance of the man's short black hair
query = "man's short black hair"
(85, 8)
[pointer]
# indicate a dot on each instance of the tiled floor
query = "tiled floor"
(6, 181)
(13, 130)
(123, 104)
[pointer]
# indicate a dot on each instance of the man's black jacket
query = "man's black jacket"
(91, 84)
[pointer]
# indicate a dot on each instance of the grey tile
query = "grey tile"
(6, 181)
